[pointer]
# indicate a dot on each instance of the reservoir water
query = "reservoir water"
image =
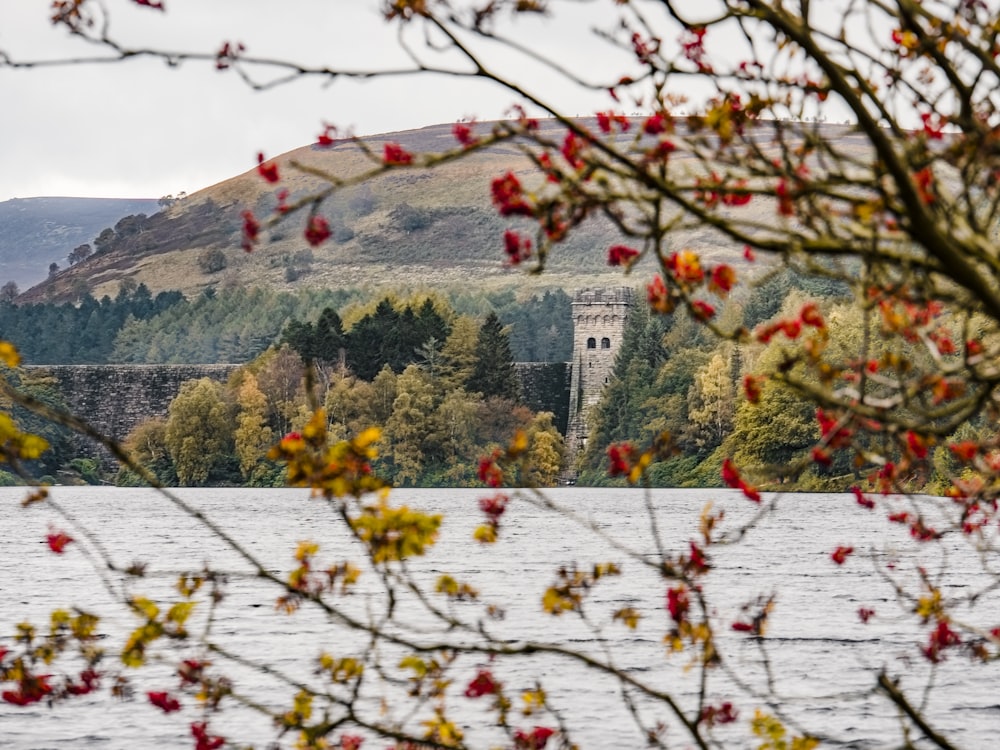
(817, 666)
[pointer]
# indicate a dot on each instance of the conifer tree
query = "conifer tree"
(330, 339)
(371, 341)
(458, 354)
(430, 324)
(494, 373)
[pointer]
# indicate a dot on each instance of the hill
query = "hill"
(35, 232)
(409, 226)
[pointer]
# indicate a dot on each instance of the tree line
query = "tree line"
(236, 325)
(672, 376)
(441, 387)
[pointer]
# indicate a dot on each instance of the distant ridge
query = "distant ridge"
(412, 227)
(35, 232)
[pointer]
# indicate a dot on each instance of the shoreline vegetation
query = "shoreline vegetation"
(406, 363)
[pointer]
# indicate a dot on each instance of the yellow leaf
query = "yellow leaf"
(341, 670)
(418, 665)
(306, 549)
(59, 618)
(9, 355)
(605, 569)
(533, 701)
(134, 652)
(315, 429)
(442, 730)
(367, 437)
(303, 704)
(446, 585)
(25, 632)
(187, 586)
(929, 605)
(629, 617)
(555, 603)
(351, 574)
(804, 743)
(519, 444)
(487, 534)
(145, 607)
(179, 612)
(83, 626)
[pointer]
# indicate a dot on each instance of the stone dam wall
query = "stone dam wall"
(116, 398)
(545, 386)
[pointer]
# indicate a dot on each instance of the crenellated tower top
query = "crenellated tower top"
(599, 317)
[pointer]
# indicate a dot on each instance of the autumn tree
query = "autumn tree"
(384, 389)
(455, 429)
(147, 445)
(198, 431)
(280, 379)
(544, 453)
(252, 438)
(407, 428)
(712, 401)
(458, 355)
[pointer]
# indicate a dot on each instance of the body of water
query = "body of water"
(817, 665)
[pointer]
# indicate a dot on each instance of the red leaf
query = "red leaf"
(482, 684)
(164, 701)
(317, 230)
(395, 155)
(840, 554)
(57, 541)
(621, 255)
(267, 170)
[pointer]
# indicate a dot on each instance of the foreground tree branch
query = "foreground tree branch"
(896, 374)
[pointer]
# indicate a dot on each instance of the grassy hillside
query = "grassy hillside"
(411, 226)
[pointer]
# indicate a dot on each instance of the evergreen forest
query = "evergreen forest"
(234, 326)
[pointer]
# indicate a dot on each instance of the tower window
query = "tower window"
(605, 343)
(591, 343)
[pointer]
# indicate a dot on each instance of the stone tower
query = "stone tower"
(599, 317)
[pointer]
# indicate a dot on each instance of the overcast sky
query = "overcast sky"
(142, 129)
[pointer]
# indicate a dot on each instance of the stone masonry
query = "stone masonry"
(599, 317)
(116, 398)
